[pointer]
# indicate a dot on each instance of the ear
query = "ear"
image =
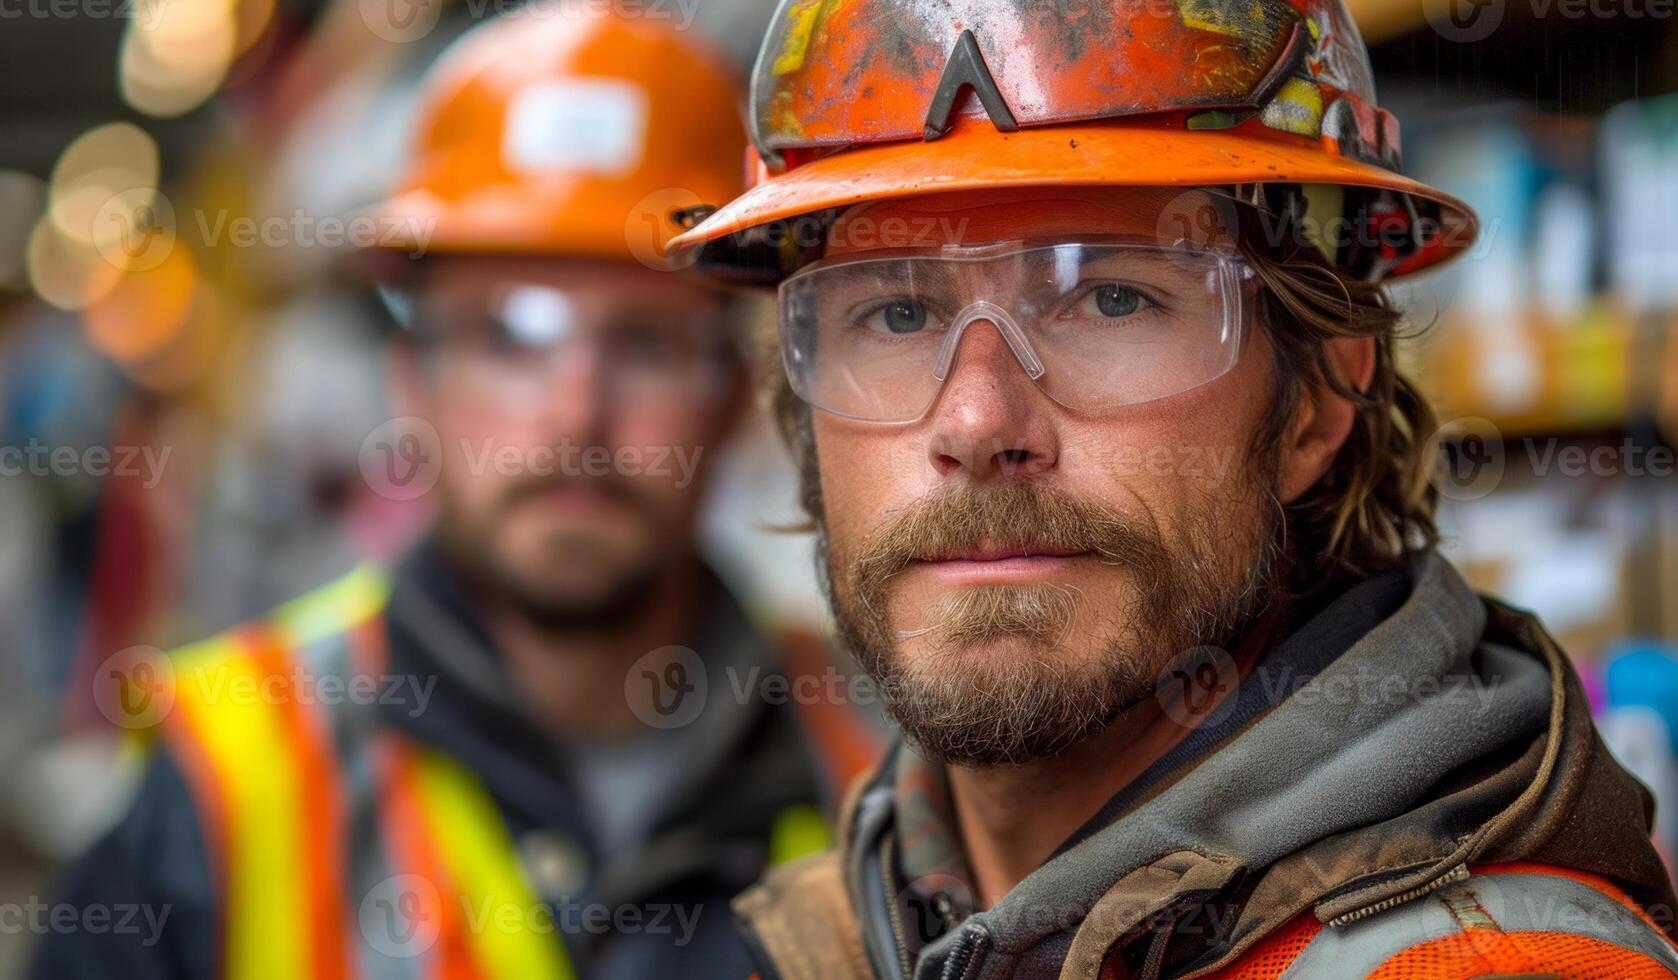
(1324, 418)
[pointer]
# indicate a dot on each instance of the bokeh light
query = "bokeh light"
(176, 54)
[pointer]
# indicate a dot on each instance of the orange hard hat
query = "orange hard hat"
(859, 100)
(559, 129)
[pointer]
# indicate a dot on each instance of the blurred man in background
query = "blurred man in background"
(541, 747)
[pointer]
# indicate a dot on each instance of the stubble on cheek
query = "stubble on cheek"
(990, 675)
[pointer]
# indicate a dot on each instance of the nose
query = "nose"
(990, 420)
(575, 392)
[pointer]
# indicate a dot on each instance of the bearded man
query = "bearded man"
(1123, 502)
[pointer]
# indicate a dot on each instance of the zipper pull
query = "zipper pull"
(1452, 876)
(965, 955)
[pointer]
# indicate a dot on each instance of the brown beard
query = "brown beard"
(622, 598)
(980, 710)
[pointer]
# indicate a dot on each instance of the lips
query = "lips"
(990, 553)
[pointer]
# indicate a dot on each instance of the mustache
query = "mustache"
(1011, 515)
(609, 485)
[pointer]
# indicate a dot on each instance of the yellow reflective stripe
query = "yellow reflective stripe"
(798, 831)
(497, 905)
(255, 782)
(333, 608)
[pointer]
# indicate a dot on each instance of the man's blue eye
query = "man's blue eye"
(1115, 300)
(904, 316)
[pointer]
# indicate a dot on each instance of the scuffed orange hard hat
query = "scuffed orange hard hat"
(562, 129)
(859, 100)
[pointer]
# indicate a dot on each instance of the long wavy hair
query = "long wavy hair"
(1374, 507)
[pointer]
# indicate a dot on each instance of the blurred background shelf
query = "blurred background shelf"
(1602, 370)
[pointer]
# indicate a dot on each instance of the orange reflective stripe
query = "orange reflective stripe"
(1483, 952)
(319, 810)
(446, 830)
(486, 873)
(414, 851)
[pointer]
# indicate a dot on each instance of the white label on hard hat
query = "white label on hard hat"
(589, 124)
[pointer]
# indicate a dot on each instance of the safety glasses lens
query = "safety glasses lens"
(1097, 326)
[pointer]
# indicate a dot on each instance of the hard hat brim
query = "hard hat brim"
(1118, 154)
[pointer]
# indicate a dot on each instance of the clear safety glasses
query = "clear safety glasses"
(1097, 325)
(517, 344)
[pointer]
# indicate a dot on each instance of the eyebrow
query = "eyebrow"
(937, 275)
(918, 269)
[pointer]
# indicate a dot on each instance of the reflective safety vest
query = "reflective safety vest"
(1503, 920)
(342, 849)
(1513, 920)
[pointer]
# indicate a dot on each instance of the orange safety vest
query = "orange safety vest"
(275, 775)
(1497, 920)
